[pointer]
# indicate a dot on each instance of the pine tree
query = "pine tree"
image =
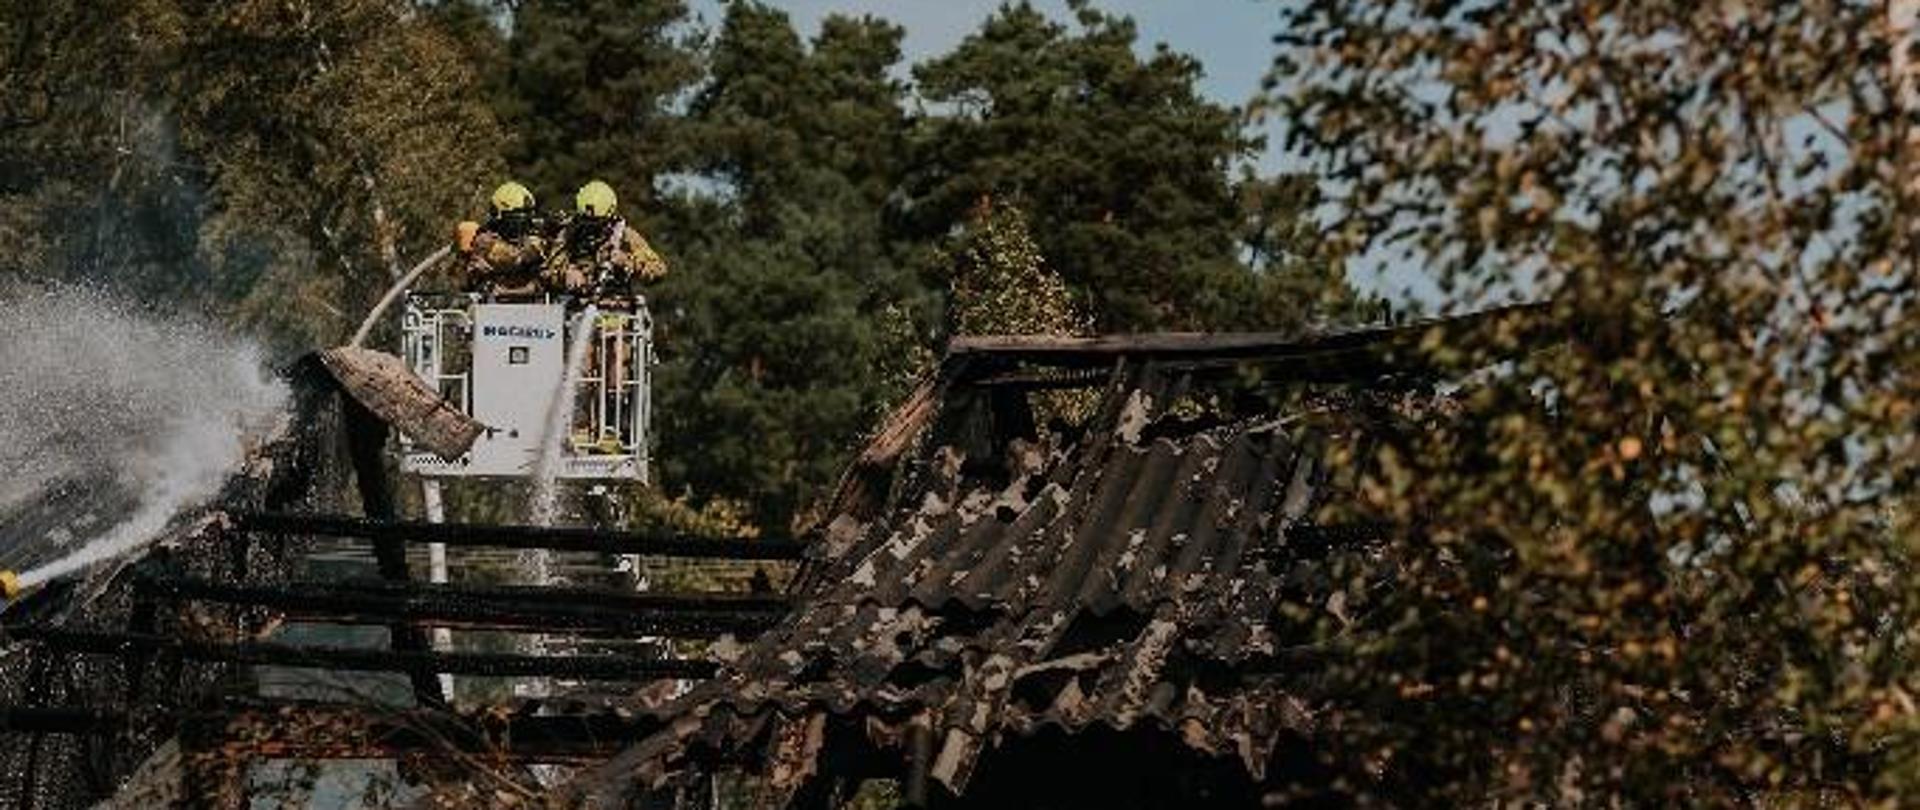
(591, 86)
(773, 305)
(1119, 162)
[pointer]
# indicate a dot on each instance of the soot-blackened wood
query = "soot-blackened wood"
(212, 777)
(38, 681)
(919, 763)
(348, 732)
(1358, 353)
(311, 730)
(366, 443)
(141, 620)
(559, 538)
(1013, 416)
(587, 667)
(60, 720)
(500, 607)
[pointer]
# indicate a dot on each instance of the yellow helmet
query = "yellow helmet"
(511, 196)
(595, 200)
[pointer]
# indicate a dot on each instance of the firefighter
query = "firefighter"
(600, 255)
(603, 259)
(506, 256)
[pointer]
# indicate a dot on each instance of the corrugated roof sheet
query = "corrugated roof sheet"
(1110, 578)
(977, 580)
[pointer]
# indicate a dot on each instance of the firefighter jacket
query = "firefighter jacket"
(505, 266)
(603, 258)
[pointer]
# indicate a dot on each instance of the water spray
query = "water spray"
(545, 507)
(97, 394)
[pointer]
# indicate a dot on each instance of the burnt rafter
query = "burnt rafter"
(309, 730)
(564, 538)
(347, 733)
(590, 667)
(1356, 354)
(60, 720)
(500, 607)
(315, 730)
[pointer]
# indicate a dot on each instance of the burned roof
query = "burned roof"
(48, 767)
(981, 581)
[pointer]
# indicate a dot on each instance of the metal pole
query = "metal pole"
(437, 571)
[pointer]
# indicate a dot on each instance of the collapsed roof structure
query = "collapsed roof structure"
(1058, 576)
(1000, 615)
(140, 680)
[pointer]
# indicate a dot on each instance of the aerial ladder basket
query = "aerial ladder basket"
(504, 364)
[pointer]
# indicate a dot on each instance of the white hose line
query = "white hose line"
(393, 293)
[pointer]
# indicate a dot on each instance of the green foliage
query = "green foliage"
(1001, 285)
(297, 110)
(241, 155)
(1119, 163)
(89, 187)
(1666, 561)
(778, 281)
(590, 87)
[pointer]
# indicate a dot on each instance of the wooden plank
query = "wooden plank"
(1178, 346)
(567, 538)
(385, 386)
(499, 607)
(597, 667)
(309, 730)
(366, 444)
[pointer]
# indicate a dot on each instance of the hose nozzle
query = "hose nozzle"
(9, 586)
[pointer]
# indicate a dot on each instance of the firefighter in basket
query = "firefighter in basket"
(600, 256)
(602, 259)
(506, 257)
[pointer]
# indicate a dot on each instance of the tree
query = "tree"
(89, 187)
(242, 154)
(1001, 285)
(300, 110)
(592, 84)
(770, 315)
(1120, 163)
(1666, 559)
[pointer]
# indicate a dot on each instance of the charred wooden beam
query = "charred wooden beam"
(1312, 541)
(569, 538)
(60, 720)
(1046, 379)
(366, 446)
(498, 607)
(306, 730)
(349, 733)
(590, 667)
(1351, 354)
